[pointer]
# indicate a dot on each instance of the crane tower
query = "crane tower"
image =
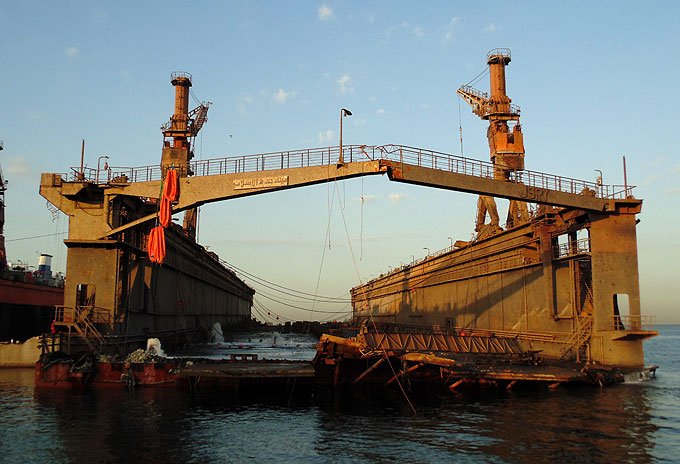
(506, 143)
(179, 134)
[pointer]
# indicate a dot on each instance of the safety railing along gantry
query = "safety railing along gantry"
(353, 153)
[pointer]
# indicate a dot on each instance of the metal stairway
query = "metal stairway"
(82, 320)
(578, 338)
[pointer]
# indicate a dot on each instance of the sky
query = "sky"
(595, 81)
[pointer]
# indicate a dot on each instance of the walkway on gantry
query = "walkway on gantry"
(220, 179)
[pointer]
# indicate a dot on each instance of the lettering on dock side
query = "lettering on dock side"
(260, 182)
(537, 194)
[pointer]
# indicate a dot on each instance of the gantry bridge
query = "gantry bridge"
(507, 282)
(211, 180)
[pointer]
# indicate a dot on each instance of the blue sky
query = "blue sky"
(595, 81)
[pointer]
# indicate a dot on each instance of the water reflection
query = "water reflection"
(151, 425)
(637, 422)
(572, 425)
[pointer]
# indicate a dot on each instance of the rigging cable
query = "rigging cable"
(361, 221)
(349, 242)
(294, 306)
(256, 278)
(478, 77)
(460, 129)
(35, 236)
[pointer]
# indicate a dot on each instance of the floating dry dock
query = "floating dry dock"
(550, 296)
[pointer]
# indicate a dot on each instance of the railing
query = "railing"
(70, 315)
(472, 91)
(505, 52)
(353, 153)
(397, 327)
(579, 337)
(83, 320)
(93, 314)
(632, 322)
(64, 314)
(571, 248)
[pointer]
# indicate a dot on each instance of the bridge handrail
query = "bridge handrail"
(326, 156)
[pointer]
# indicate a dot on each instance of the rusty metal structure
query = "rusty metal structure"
(113, 291)
(506, 142)
(560, 281)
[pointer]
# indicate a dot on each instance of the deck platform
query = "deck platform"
(248, 370)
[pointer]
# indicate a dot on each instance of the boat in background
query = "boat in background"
(27, 299)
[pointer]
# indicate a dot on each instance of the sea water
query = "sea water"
(638, 421)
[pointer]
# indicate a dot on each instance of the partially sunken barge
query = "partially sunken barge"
(551, 298)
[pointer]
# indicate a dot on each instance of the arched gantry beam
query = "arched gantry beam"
(401, 164)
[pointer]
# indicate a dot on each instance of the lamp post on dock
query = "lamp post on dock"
(343, 112)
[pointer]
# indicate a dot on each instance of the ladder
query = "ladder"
(82, 320)
(578, 337)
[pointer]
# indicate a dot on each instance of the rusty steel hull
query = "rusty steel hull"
(553, 285)
(190, 292)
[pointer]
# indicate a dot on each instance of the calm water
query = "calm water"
(636, 422)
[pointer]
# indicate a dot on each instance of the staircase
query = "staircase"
(578, 338)
(82, 320)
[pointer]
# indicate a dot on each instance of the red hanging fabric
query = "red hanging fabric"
(156, 245)
(171, 187)
(165, 212)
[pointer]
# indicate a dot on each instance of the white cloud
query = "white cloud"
(99, 17)
(18, 166)
(124, 74)
(34, 115)
(448, 35)
(243, 103)
(281, 96)
(326, 136)
(366, 199)
(381, 111)
(417, 31)
(345, 84)
(72, 53)
(397, 197)
(325, 12)
(491, 27)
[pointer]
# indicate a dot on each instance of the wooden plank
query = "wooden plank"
(262, 370)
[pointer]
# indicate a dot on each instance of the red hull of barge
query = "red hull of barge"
(105, 374)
